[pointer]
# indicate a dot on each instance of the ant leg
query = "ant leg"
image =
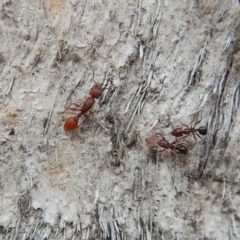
(90, 113)
(72, 109)
(198, 135)
(75, 104)
(184, 125)
(173, 129)
(197, 123)
(181, 138)
(76, 108)
(161, 151)
(86, 116)
(194, 138)
(173, 152)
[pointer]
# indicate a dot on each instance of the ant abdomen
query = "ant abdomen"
(202, 130)
(70, 123)
(183, 149)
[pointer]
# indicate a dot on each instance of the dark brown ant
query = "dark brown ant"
(180, 132)
(177, 149)
(71, 123)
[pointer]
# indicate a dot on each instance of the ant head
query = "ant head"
(70, 124)
(96, 91)
(182, 149)
(202, 130)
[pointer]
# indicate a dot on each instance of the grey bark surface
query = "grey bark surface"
(163, 63)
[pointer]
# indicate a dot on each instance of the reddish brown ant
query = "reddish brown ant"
(71, 123)
(177, 149)
(96, 91)
(180, 132)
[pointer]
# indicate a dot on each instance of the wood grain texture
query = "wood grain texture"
(163, 63)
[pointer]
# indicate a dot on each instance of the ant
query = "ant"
(179, 132)
(177, 149)
(95, 92)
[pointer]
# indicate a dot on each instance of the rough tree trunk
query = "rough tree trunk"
(161, 62)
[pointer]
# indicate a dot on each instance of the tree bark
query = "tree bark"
(162, 65)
